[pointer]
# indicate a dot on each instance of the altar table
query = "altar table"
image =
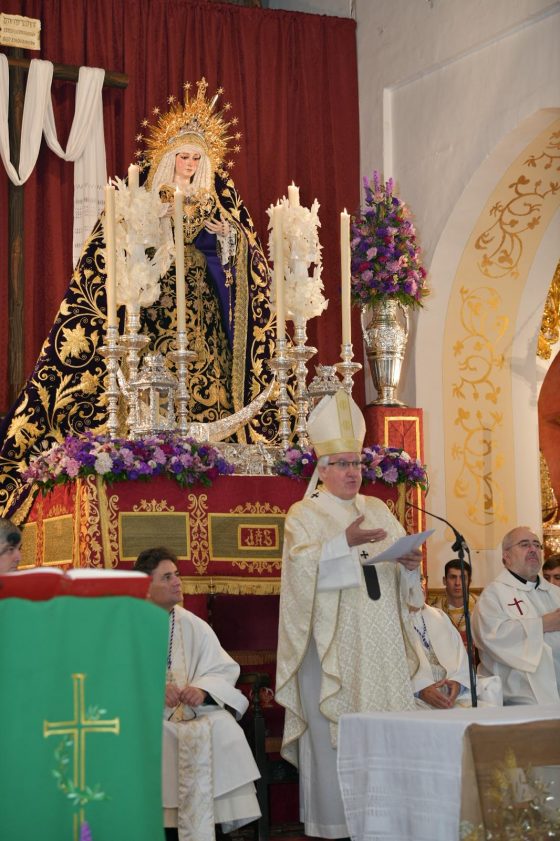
(410, 776)
(228, 538)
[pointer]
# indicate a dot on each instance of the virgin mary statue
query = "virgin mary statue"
(228, 316)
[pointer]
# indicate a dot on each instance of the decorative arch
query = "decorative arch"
(490, 276)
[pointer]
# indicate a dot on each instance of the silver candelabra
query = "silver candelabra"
(300, 354)
(280, 365)
(347, 369)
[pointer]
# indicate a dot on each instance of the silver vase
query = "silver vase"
(385, 329)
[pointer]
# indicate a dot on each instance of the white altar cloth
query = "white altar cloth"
(401, 773)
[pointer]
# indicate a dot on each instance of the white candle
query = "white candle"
(293, 195)
(345, 276)
(279, 272)
(133, 176)
(179, 262)
(110, 257)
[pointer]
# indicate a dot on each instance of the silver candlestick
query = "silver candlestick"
(112, 352)
(347, 368)
(281, 364)
(134, 342)
(181, 358)
(300, 353)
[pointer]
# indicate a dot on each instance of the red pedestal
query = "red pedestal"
(394, 426)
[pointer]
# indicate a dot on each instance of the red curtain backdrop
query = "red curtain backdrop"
(291, 79)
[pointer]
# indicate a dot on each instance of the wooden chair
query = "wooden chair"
(247, 628)
(266, 749)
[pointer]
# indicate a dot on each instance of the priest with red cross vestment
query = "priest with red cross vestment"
(516, 624)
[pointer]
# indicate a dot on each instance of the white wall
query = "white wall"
(441, 84)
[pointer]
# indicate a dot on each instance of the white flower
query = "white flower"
(302, 249)
(139, 227)
(103, 463)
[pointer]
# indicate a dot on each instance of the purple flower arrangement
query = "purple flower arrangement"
(385, 256)
(388, 465)
(392, 466)
(182, 459)
(296, 463)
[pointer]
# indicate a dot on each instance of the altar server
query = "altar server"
(516, 624)
(341, 647)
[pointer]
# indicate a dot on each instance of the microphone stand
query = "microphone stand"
(460, 546)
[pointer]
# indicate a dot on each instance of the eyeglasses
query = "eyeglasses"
(345, 465)
(525, 544)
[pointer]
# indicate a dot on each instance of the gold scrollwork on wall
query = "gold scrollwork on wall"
(484, 323)
(477, 459)
(502, 242)
(200, 549)
(483, 310)
(475, 351)
(550, 324)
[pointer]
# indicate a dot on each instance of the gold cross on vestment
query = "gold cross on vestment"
(77, 728)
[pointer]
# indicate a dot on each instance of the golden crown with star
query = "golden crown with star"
(196, 121)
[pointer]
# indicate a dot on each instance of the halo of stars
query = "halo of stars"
(194, 120)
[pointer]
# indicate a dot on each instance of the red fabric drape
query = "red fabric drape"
(291, 79)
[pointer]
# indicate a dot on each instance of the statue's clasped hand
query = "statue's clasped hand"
(218, 227)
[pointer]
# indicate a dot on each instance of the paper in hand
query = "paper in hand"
(403, 546)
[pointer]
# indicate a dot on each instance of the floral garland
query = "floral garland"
(389, 465)
(385, 256)
(114, 460)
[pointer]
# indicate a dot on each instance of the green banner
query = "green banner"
(81, 710)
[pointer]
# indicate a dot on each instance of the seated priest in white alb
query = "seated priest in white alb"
(516, 624)
(442, 679)
(208, 767)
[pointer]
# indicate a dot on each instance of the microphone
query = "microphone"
(460, 542)
(460, 546)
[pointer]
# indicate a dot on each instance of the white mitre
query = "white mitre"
(336, 425)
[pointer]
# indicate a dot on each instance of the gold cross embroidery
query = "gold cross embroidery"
(77, 729)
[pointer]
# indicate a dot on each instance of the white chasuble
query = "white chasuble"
(360, 643)
(508, 631)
